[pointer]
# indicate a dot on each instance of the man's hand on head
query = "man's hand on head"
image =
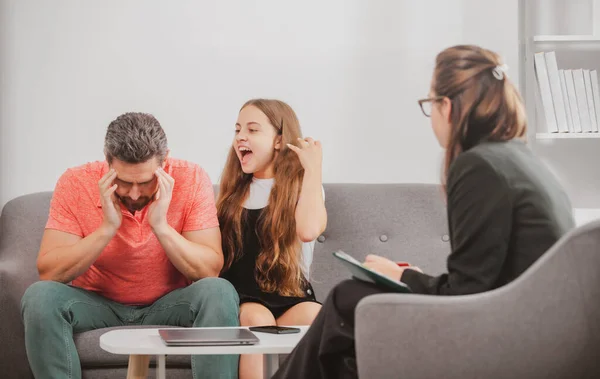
(111, 209)
(157, 214)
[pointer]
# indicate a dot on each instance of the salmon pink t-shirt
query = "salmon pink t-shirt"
(133, 269)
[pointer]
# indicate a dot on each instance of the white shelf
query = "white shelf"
(566, 38)
(566, 135)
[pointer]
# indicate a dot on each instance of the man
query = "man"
(137, 238)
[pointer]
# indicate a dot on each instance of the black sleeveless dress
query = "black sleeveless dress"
(241, 273)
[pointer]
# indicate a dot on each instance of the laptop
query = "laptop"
(207, 337)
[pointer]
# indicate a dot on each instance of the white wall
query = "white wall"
(352, 70)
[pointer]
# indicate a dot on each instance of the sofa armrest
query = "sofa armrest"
(423, 336)
(396, 336)
(487, 335)
(13, 359)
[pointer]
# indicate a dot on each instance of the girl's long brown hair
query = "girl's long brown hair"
(484, 108)
(278, 265)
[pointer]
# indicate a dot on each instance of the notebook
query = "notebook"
(365, 274)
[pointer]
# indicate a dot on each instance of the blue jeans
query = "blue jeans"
(52, 312)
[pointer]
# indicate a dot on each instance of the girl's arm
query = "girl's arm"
(311, 216)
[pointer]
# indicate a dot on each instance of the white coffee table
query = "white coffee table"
(139, 344)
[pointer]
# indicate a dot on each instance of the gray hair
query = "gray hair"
(135, 138)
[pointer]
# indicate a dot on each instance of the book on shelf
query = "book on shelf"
(544, 91)
(556, 92)
(563, 87)
(582, 103)
(572, 101)
(568, 98)
(596, 92)
(590, 99)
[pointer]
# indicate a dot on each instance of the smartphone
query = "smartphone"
(274, 329)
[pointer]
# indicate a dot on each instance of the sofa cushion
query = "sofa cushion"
(403, 222)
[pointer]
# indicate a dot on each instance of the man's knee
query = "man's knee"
(215, 287)
(216, 291)
(41, 299)
(217, 302)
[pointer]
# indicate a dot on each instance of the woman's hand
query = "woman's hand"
(386, 267)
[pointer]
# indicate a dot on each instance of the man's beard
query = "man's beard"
(135, 205)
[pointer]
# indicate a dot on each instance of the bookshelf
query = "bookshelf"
(575, 51)
(567, 135)
(570, 29)
(566, 38)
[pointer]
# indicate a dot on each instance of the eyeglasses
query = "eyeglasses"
(426, 104)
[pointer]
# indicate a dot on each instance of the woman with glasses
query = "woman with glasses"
(505, 209)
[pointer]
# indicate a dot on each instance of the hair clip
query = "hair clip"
(500, 71)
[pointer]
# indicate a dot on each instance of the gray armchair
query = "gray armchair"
(545, 324)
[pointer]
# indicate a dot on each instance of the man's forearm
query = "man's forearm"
(63, 264)
(193, 260)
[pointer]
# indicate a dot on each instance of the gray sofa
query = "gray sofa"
(400, 221)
